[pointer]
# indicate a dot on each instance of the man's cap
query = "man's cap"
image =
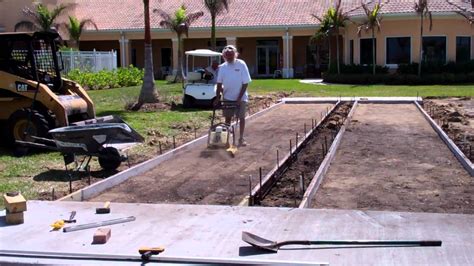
(229, 48)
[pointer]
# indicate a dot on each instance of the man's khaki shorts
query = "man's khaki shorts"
(240, 112)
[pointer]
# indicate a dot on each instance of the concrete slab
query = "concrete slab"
(301, 100)
(213, 234)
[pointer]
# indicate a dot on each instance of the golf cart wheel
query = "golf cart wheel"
(110, 158)
(26, 121)
(188, 101)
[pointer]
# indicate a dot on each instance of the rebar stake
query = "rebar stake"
(174, 142)
(278, 159)
(290, 147)
(159, 144)
(304, 129)
(294, 192)
(250, 191)
(312, 123)
(301, 184)
(296, 144)
(260, 189)
(326, 143)
(52, 194)
(195, 133)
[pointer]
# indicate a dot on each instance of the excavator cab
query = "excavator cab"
(34, 98)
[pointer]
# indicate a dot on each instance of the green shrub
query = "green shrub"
(400, 79)
(107, 79)
(437, 68)
(358, 69)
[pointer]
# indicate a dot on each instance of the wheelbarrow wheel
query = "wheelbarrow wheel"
(110, 158)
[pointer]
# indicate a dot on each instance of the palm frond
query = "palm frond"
(190, 18)
(217, 7)
(57, 11)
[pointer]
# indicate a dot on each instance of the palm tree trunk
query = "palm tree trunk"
(330, 56)
(337, 51)
(179, 72)
(148, 93)
(373, 52)
(421, 45)
(213, 32)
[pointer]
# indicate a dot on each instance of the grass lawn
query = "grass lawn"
(39, 173)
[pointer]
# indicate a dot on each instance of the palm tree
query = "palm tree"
(372, 21)
(215, 8)
(324, 33)
(421, 8)
(336, 19)
(75, 28)
(178, 23)
(42, 19)
(468, 15)
(148, 93)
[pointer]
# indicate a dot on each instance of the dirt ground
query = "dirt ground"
(456, 116)
(391, 159)
(203, 176)
(288, 190)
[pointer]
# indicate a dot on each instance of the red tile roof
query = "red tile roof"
(128, 14)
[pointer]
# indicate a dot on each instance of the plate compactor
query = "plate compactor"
(222, 135)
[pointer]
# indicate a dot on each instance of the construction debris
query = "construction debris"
(15, 204)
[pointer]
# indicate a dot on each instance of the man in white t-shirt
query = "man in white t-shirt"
(213, 69)
(232, 81)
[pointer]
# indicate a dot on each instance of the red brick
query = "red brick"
(101, 235)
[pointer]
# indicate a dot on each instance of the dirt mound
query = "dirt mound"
(456, 117)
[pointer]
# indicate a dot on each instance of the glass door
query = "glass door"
(267, 57)
(261, 61)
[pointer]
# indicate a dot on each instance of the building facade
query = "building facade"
(272, 35)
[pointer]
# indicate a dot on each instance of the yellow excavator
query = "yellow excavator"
(34, 98)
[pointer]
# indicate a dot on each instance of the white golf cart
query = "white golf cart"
(198, 88)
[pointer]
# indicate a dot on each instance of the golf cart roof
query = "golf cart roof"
(203, 53)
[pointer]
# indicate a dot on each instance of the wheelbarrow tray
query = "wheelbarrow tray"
(91, 139)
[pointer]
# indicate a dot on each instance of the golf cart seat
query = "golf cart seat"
(194, 76)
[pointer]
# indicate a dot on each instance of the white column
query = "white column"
(124, 51)
(231, 41)
(288, 71)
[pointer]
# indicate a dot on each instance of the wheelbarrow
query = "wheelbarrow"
(106, 139)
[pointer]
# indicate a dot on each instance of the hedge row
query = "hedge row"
(108, 79)
(400, 79)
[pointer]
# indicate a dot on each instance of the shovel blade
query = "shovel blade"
(259, 242)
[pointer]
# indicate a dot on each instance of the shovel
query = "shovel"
(273, 246)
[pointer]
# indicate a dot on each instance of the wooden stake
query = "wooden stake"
(290, 147)
(174, 142)
(52, 194)
(305, 129)
(159, 144)
(195, 133)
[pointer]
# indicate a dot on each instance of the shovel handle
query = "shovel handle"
(423, 243)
